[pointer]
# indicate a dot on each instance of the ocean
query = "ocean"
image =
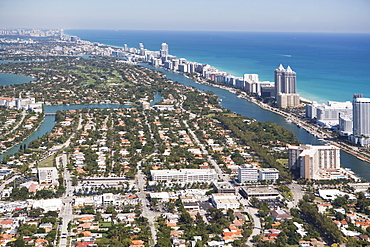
(329, 66)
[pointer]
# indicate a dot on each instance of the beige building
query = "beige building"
(288, 100)
(313, 159)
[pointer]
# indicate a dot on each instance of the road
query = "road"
(24, 114)
(66, 213)
(220, 173)
(146, 212)
(257, 224)
(8, 181)
(297, 194)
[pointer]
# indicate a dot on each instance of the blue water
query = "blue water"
(9, 79)
(328, 66)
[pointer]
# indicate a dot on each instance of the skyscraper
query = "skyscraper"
(164, 50)
(361, 120)
(285, 87)
(285, 81)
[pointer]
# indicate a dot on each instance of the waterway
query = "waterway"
(49, 121)
(248, 109)
(9, 79)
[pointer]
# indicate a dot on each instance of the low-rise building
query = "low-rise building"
(271, 174)
(260, 192)
(247, 173)
(225, 201)
(280, 214)
(185, 175)
(223, 187)
(48, 175)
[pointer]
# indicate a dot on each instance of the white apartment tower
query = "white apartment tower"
(361, 116)
(361, 120)
(164, 50)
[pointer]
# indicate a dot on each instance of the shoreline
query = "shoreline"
(310, 128)
(23, 140)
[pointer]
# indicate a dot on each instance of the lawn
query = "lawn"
(105, 224)
(48, 162)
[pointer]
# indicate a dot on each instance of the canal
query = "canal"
(49, 120)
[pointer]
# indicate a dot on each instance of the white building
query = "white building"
(48, 204)
(185, 175)
(164, 50)
(311, 160)
(145, 105)
(225, 201)
(328, 115)
(268, 174)
(48, 175)
(247, 173)
(345, 124)
(361, 120)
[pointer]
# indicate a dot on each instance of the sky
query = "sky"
(203, 15)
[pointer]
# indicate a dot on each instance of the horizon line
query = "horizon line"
(192, 30)
(236, 31)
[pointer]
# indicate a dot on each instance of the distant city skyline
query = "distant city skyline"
(204, 15)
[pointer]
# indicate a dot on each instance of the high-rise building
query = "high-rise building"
(361, 116)
(164, 50)
(345, 124)
(285, 80)
(311, 160)
(361, 120)
(285, 87)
